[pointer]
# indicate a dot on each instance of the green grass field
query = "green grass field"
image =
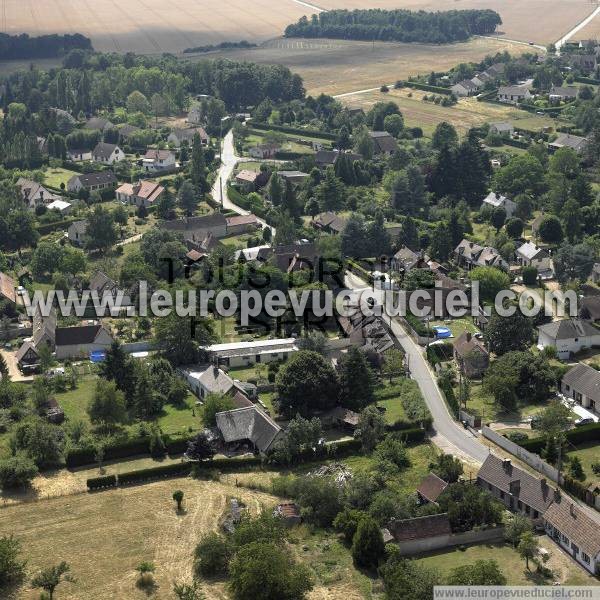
(54, 176)
(588, 454)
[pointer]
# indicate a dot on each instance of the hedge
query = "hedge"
(516, 143)
(588, 80)
(45, 228)
(428, 88)
(578, 435)
(98, 483)
(289, 155)
(296, 130)
(450, 398)
(87, 456)
(171, 470)
(359, 270)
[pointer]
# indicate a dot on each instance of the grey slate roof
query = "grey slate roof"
(529, 250)
(248, 423)
(525, 487)
(570, 141)
(74, 336)
(383, 141)
(104, 150)
(584, 379)
(420, 528)
(215, 380)
(193, 223)
(569, 329)
(576, 523)
(97, 178)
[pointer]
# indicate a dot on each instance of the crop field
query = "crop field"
(467, 113)
(127, 526)
(540, 21)
(591, 31)
(340, 66)
(152, 26)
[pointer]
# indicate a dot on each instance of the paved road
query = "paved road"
(229, 160)
(451, 436)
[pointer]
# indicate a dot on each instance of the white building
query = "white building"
(496, 200)
(107, 154)
(576, 530)
(568, 336)
(243, 354)
(207, 379)
(531, 255)
(158, 160)
(64, 208)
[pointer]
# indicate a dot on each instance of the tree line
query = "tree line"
(43, 46)
(397, 25)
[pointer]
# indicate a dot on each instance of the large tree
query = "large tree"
(264, 571)
(504, 334)
(179, 338)
(107, 406)
(367, 545)
(356, 380)
(306, 382)
(101, 232)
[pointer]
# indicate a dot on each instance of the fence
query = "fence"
(533, 460)
(450, 540)
(143, 346)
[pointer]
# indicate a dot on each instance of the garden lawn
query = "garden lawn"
(456, 326)
(54, 176)
(511, 564)
(588, 454)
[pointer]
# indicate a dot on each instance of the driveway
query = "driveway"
(13, 370)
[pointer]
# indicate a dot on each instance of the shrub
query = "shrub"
(212, 555)
(367, 545)
(17, 471)
(12, 569)
(98, 483)
(530, 275)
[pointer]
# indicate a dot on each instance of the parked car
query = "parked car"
(584, 421)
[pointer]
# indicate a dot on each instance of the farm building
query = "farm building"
(241, 354)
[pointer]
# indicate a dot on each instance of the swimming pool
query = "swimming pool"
(441, 332)
(97, 356)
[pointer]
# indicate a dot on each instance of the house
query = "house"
(247, 179)
(250, 425)
(406, 259)
(470, 255)
(471, 355)
(289, 512)
(566, 94)
(517, 489)
(158, 160)
(584, 62)
(196, 229)
(531, 255)
(64, 208)
(127, 131)
(263, 151)
(99, 123)
(466, 87)
(255, 253)
(207, 379)
(293, 176)
(244, 354)
(292, 257)
(34, 194)
(76, 232)
(107, 154)
(143, 193)
(481, 79)
(505, 128)
(589, 308)
(203, 245)
(575, 529)
(568, 336)
(513, 94)
(329, 222)
(178, 137)
(383, 142)
(80, 341)
(102, 285)
(79, 154)
(326, 158)
(365, 330)
(44, 334)
(431, 488)
(242, 224)
(28, 358)
(567, 140)
(8, 288)
(495, 200)
(101, 180)
(582, 383)
(341, 418)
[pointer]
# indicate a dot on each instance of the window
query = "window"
(585, 558)
(527, 509)
(564, 538)
(502, 495)
(520, 505)
(536, 514)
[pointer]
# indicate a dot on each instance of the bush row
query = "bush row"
(579, 435)
(507, 141)
(296, 130)
(428, 88)
(99, 483)
(450, 397)
(46, 228)
(588, 80)
(283, 155)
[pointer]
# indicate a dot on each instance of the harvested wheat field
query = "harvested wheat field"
(104, 536)
(467, 113)
(590, 32)
(153, 26)
(340, 66)
(540, 21)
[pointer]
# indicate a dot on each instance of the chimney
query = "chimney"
(42, 195)
(216, 371)
(573, 511)
(557, 495)
(544, 483)
(506, 463)
(515, 487)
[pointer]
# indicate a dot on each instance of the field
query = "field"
(341, 66)
(127, 526)
(153, 26)
(467, 113)
(590, 32)
(541, 21)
